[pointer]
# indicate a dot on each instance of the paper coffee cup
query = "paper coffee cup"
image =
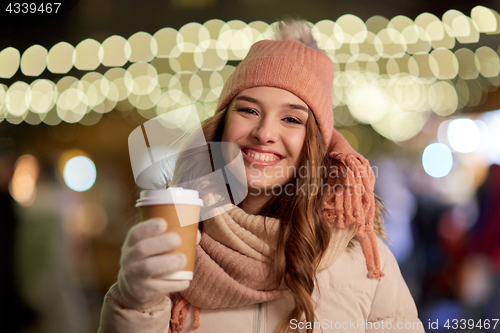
(181, 209)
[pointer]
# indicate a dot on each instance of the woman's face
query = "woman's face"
(269, 125)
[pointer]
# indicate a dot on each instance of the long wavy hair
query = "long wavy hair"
(304, 234)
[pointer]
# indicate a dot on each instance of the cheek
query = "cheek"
(234, 129)
(296, 144)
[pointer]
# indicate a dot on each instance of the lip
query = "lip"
(260, 149)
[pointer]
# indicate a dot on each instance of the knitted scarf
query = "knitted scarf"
(233, 264)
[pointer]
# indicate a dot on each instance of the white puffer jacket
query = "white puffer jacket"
(347, 301)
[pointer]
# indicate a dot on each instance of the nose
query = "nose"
(266, 131)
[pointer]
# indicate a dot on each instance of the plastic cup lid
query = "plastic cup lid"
(179, 275)
(171, 195)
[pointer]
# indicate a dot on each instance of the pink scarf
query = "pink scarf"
(233, 264)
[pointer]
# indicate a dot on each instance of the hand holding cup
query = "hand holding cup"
(145, 259)
(158, 254)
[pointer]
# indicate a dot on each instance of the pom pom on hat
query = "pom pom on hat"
(296, 30)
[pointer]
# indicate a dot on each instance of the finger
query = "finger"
(198, 236)
(158, 265)
(154, 246)
(146, 229)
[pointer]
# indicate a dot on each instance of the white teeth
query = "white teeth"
(262, 157)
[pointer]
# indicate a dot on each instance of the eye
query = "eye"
(293, 120)
(247, 110)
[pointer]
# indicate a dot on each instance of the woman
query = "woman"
(300, 253)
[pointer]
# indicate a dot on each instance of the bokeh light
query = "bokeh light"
(394, 45)
(89, 218)
(210, 55)
(419, 65)
(443, 98)
(9, 62)
(3, 110)
(22, 186)
(353, 27)
(18, 98)
(141, 78)
(183, 62)
(368, 103)
(71, 103)
(60, 58)
(237, 38)
(165, 41)
(325, 31)
(90, 84)
(116, 51)
(117, 90)
(462, 26)
(463, 135)
(143, 47)
(34, 60)
(492, 149)
(401, 125)
(43, 96)
(437, 160)
(431, 25)
(192, 35)
(487, 20)
(467, 68)
(487, 61)
(377, 23)
(79, 173)
(88, 55)
(443, 64)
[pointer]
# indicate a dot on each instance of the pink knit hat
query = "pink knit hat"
(289, 65)
(307, 72)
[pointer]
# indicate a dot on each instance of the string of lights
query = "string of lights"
(391, 74)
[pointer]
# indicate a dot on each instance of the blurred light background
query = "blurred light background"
(415, 90)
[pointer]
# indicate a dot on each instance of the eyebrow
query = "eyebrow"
(297, 107)
(288, 105)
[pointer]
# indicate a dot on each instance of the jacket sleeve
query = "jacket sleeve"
(393, 308)
(117, 319)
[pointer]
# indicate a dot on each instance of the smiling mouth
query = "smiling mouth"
(264, 157)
